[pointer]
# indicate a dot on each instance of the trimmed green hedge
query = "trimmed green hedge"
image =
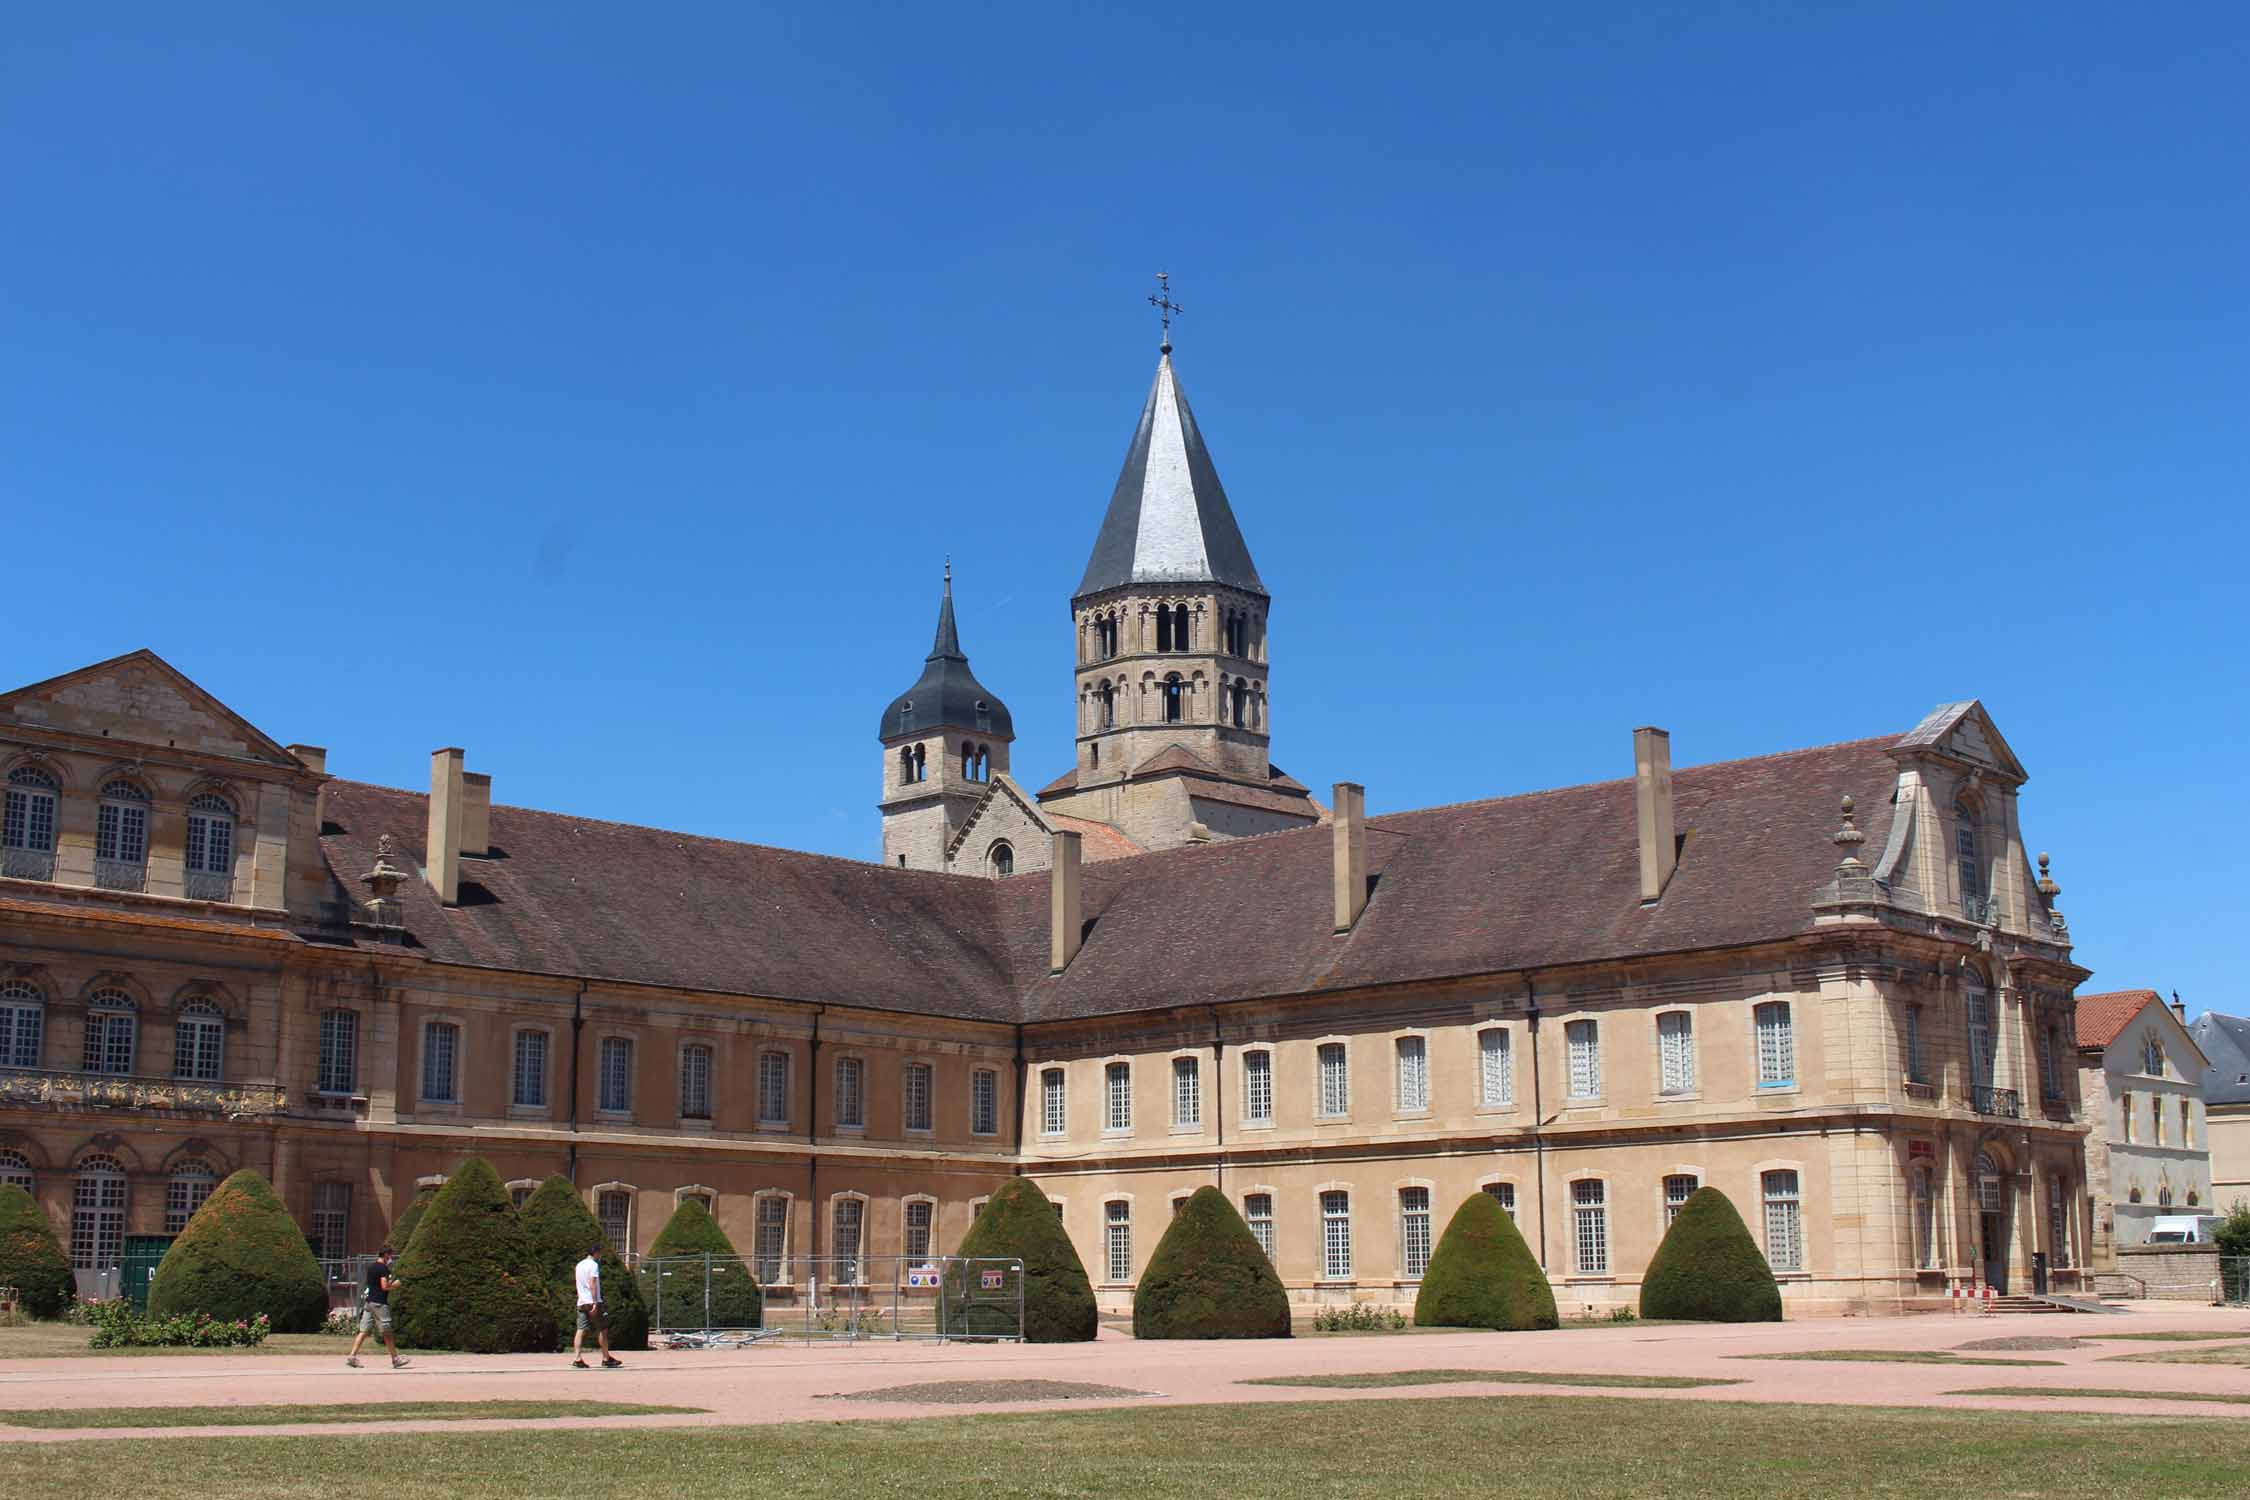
(469, 1280)
(561, 1228)
(1709, 1269)
(674, 1294)
(31, 1258)
(1482, 1274)
(241, 1255)
(1209, 1279)
(402, 1232)
(1020, 1223)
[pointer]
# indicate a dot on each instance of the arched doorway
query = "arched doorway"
(1993, 1202)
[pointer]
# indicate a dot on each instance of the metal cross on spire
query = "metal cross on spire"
(1164, 305)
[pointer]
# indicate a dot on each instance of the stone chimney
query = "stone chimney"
(1066, 904)
(441, 847)
(2179, 1010)
(1348, 815)
(314, 757)
(1652, 801)
(476, 813)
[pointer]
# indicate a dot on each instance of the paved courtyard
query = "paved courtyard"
(785, 1383)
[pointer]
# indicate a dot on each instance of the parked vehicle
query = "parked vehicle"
(2184, 1229)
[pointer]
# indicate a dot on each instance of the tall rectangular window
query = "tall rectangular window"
(441, 1050)
(917, 1111)
(331, 1220)
(97, 1214)
(1336, 1235)
(1257, 1211)
(849, 1217)
(616, 1094)
(1412, 1091)
(23, 1024)
(1582, 1040)
(1777, 1045)
(1187, 1092)
(2058, 1222)
(984, 1102)
(1914, 1071)
(1413, 1232)
(1785, 1236)
(1504, 1194)
(2156, 1118)
(2050, 1086)
(919, 1213)
(198, 1040)
(851, 1093)
(1496, 1074)
(1257, 1088)
(2125, 1112)
(1925, 1218)
(773, 1088)
(614, 1207)
(531, 1070)
(769, 1237)
(1335, 1081)
(1117, 1083)
(339, 1051)
(1675, 1052)
(1589, 1213)
(1053, 1116)
(1677, 1190)
(1117, 1232)
(695, 1081)
(1983, 1053)
(191, 1185)
(2187, 1118)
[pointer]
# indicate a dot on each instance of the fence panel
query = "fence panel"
(702, 1300)
(2234, 1280)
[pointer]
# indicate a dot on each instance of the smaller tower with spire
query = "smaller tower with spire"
(944, 739)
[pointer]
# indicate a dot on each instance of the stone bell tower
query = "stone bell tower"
(944, 739)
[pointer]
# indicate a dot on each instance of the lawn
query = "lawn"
(1898, 1357)
(348, 1411)
(2224, 1354)
(2188, 1336)
(1495, 1377)
(1521, 1446)
(63, 1340)
(2104, 1394)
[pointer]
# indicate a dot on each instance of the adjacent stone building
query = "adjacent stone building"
(1827, 981)
(2225, 1042)
(2148, 1153)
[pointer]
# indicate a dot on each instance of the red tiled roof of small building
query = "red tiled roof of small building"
(2103, 1018)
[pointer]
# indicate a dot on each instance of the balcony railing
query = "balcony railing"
(1918, 1089)
(205, 887)
(168, 1095)
(120, 874)
(1986, 1100)
(27, 864)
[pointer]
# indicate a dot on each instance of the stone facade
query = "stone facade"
(2149, 1151)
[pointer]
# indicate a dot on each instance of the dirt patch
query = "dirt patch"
(985, 1392)
(2023, 1341)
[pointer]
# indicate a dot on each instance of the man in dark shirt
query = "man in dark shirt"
(375, 1310)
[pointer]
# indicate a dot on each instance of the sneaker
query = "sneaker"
(398, 1363)
(610, 1363)
(579, 1364)
(352, 1360)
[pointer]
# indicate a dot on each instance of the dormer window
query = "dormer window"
(1965, 858)
(905, 714)
(984, 716)
(27, 834)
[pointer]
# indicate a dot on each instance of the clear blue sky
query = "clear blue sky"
(599, 388)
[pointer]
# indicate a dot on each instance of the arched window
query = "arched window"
(1258, 708)
(905, 713)
(97, 1213)
(23, 1024)
(210, 848)
(1175, 699)
(15, 1170)
(905, 764)
(109, 1033)
(968, 761)
(1238, 703)
(984, 717)
(1108, 694)
(27, 832)
(191, 1183)
(921, 764)
(1164, 627)
(199, 1041)
(121, 837)
(1002, 858)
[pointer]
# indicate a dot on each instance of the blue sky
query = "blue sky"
(600, 388)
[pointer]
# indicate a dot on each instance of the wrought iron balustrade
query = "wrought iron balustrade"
(30, 1086)
(1982, 910)
(27, 864)
(1986, 1100)
(120, 874)
(202, 886)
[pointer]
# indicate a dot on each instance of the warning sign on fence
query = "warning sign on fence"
(992, 1281)
(921, 1276)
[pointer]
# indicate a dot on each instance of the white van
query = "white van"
(2184, 1229)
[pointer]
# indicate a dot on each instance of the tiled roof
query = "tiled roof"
(2225, 1040)
(1520, 882)
(1097, 840)
(1066, 782)
(1168, 520)
(2103, 1018)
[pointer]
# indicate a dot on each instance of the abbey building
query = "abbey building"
(1829, 982)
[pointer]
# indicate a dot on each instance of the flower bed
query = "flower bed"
(117, 1326)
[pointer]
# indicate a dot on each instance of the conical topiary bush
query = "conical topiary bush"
(1020, 1223)
(1482, 1274)
(470, 1280)
(241, 1255)
(31, 1258)
(556, 1221)
(1708, 1269)
(402, 1233)
(1209, 1279)
(681, 1289)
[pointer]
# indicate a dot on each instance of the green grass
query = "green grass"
(1896, 1357)
(2225, 1354)
(349, 1411)
(2189, 1336)
(1291, 1450)
(2104, 1394)
(1498, 1377)
(68, 1341)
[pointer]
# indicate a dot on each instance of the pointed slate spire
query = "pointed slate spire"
(947, 692)
(1168, 518)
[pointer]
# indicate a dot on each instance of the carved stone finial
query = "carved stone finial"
(383, 847)
(2053, 893)
(1848, 838)
(382, 884)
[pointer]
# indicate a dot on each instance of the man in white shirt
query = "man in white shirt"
(589, 1277)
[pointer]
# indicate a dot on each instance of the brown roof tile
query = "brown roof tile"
(2103, 1018)
(1099, 840)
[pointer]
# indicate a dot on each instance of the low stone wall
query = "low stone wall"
(2175, 1273)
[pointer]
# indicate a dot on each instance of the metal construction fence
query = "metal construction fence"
(707, 1300)
(2234, 1280)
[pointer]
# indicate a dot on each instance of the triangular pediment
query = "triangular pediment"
(1965, 732)
(141, 699)
(1004, 789)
